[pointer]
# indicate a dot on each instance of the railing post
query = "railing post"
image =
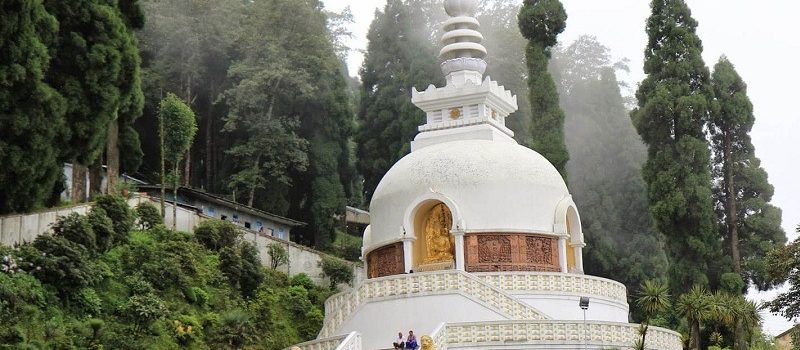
(562, 253)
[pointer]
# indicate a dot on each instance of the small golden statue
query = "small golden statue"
(427, 343)
(439, 242)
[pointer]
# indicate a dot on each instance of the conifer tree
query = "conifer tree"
(31, 112)
(673, 107)
(748, 223)
(88, 67)
(399, 57)
(540, 21)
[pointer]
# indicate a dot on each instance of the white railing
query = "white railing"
(340, 307)
(439, 336)
(604, 334)
(329, 343)
(560, 283)
(351, 342)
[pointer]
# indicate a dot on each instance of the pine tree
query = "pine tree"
(673, 107)
(749, 224)
(540, 21)
(399, 57)
(31, 112)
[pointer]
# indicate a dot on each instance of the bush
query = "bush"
(216, 234)
(63, 265)
(122, 217)
(301, 279)
(242, 267)
(76, 228)
(337, 270)
(143, 310)
(277, 255)
(103, 228)
(89, 302)
(732, 282)
(149, 215)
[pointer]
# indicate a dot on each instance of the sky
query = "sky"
(758, 37)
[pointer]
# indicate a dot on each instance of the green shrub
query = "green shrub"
(143, 310)
(242, 267)
(277, 255)
(103, 228)
(201, 296)
(76, 228)
(337, 270)
(301, 279)
(63, 264)
(732, 282)
(138, 285)
(89, 302)
(216, 234)
(116, 207)
(149, 216)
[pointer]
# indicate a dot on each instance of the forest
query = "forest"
(665, 172)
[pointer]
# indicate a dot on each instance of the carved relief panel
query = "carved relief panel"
(510, 252)
(386, 261)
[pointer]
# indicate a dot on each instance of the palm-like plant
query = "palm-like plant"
(695, 306)
(653, 299)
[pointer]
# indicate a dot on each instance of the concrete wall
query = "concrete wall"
(16, 229)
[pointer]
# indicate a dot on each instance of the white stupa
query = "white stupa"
(474, 239)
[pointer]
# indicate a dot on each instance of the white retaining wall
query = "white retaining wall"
(15, 229)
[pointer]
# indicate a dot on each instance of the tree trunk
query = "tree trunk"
(163, 167)
(112, 157)
(253, 186)
(739, 339)
(730, 204)
(96, 178)
(694, 342)
(175, 198)
(78, 194)
(187, 167)
(209, 143)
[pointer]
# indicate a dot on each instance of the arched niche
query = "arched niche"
(434, 244)
(575, 240)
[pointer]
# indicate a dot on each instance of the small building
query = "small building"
(784, 340)
(357, 220)
(214, 206)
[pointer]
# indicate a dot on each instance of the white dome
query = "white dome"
(490, 186)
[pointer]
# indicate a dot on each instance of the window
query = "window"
(224, 217)
(246, 225)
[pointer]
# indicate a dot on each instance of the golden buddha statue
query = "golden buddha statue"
(438, 240)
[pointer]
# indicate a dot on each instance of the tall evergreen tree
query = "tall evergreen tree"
(399, 56)
(673, 107)
(540, 21)
(88, 68)
(31, 112)
(749, 224)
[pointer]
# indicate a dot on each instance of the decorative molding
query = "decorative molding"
(556, 283)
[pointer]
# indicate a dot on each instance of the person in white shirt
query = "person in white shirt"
(399, 342)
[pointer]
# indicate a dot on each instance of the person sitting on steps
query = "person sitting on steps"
(411, 341)
(400, 342)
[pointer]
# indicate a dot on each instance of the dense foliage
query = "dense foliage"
(31, 112)
(672, 111)
(783, 265)
(749, 224)
(155, 289)
(540, 21)
(399, 56)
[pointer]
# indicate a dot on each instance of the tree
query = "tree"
(783, 265)
(94, 73)
(653, 300)
(695, 306)
(31, 112)
(741, 192)
(178, 127)
(122, 138)
(670, 117)
(398, 57)
(540, 21)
